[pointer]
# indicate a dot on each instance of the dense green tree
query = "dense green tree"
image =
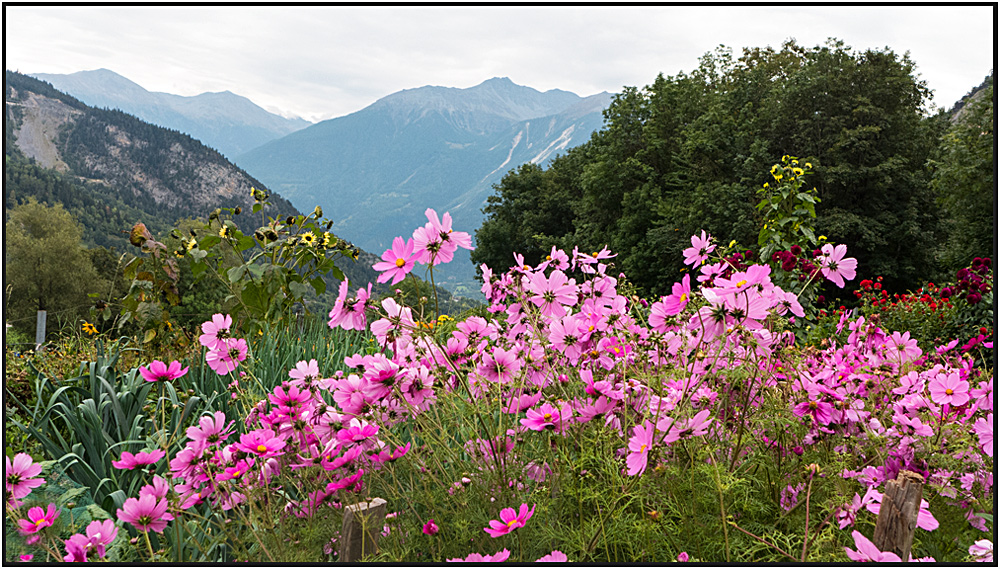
(689, 152)
(45, 267)
(965, 181)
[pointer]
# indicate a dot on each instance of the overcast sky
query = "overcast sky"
(323, 62)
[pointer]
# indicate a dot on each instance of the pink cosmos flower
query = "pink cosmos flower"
(639, 445)
(553, 294)
(396, 262)
(349, 314)
(680, 295)
(500, 366)
(949, 389)
(555, 557)
(20, 477)
(982, 551)
(547, 417)
(357, 432)
(100, 534)
(76, 548)
(683, 557)
(436, 242)
(227, 355)
(27, 557)
(146, 513)
(699, 250)
(430, 528)
(38, 519)
(868, 552)
(904, 346)
(304, 372)
(498, 557)
(262, 443)
(215, 330)
(130, 461)
(820, 411)
(210, 429)
(834, 266)
(984, 430)
(159, 371)
(510, 520)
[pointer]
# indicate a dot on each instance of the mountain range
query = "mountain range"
(377, 170)
(224, 121)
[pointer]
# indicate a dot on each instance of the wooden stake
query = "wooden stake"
(361, 529)
(897, 516)
(40, 330)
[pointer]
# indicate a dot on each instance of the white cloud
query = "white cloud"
(320, 62)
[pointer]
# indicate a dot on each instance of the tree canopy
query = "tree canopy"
(689, 152)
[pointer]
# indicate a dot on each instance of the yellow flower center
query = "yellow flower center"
(947, 392)
(547, 416)
(261, 448)
(512, 522)
(741, 283)
(400, 262)
(684, 297)
(642, 448)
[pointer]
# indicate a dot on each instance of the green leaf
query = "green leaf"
(150, 334)
(235, 274)
(245, 242)
(209, 241)
(319, 285)
(256, 208)
(298, 289)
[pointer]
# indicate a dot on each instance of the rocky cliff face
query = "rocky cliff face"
(176, 172)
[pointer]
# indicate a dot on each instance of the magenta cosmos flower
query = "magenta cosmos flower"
(215, 330)
(498, 557)
(349, 313)
(834, 266)
(547, 417)
(20, 477)
(949, 389)
(146, 513)
(159, 371)
(868, 552)
(699, 250)
(129, 461)
(555, 557)
(639, 445)
(436, 242)
(820, 411)
(500, 366)
(679, 297)
(227, 355)
(510, 520)
(397, 262)
(210, 429)
(76, 548)
(38, 519)
(262, 443)
(430, 528)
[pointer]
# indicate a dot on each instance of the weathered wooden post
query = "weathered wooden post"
(361, 529)
(897, 516)
(40, 330)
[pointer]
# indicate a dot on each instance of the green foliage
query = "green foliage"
(787, 210)
(964, 181)
(87, 421)
(685, 154)
(45, 267)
